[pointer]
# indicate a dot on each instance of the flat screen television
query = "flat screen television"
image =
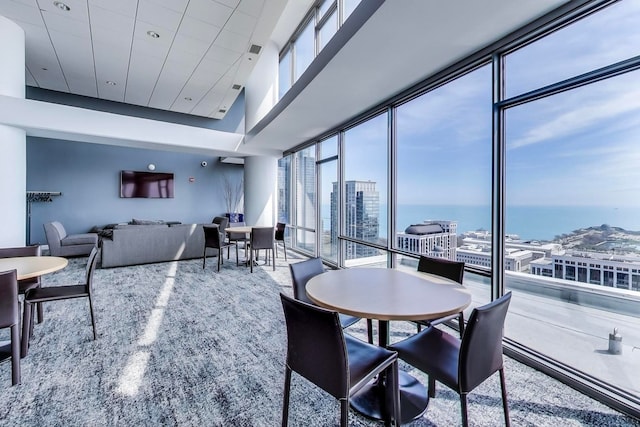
(148, 185)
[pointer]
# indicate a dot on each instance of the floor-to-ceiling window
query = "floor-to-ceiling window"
(328, 187)
(305, 188)
(573, 202)
(365, 191)
(443, 184)
(553, 123)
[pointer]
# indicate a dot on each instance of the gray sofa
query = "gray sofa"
(143, 244)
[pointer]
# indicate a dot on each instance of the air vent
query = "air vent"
(236, 87)
(255, 49)
(222, 111)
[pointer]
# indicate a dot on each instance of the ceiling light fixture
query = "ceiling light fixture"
(153, 34)
(61, 6)
(236, 87)
(110, 83)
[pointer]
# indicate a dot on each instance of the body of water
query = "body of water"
(529, 222)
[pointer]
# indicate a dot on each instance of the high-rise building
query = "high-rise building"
(362, 214)
(435, 239)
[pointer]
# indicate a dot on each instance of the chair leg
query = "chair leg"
(370, 331)
(273, 257)
(15, 354)
(93, 318)
(26, 328)
(432, 387)
(463, 409)
(461, 324)
(237, 259)
(251, 251)
(419, 327)
(284, 248)
(40, 312)
(220, 255)
(392, 396)
(344, 412)
(285, 403)
(204, 257)
(505, 407)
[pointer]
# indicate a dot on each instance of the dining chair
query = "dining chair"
(59, 293)
(301, 273)
(279, 236)
(10, 318)
(462, 364)
(26, 284)
(318, 350)
(452, 270)
(262, 238)
(213, 239)
(222, 222)
(237, 238)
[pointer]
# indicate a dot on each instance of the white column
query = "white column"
(260, 190)
(261, 92)
(13, 145)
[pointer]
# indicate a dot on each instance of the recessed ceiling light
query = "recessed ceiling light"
(222, 111)
(45, 69)
(188, 98)
(61, 6)
(110, 83)
(153, 34)
(236, 87)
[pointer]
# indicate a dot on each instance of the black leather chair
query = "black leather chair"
(280, 228)
(450, 270)
(222, 222)
(262, 238)
(26, 284)
(213, 239)
(58, 293)
(10, 318)
(462, 365)
(301, 272)
(338, 363)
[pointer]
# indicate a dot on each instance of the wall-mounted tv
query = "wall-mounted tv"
(148, 185)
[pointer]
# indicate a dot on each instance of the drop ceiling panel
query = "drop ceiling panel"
(123, 7)
(157, 15)
(251, 7)
(96, 41)
(209, 11)
(23, 12)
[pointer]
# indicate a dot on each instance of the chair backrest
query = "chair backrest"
(262, 238)
(33, 250)
(212, 236)
(222, 221)
(481, 347)
(9, 309)
(90, 268)
(301, 272)
(280, 227)
(315, 346)
(442, 267)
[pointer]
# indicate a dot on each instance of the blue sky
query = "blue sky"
(576, 148)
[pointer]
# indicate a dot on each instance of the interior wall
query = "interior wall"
(88, 176)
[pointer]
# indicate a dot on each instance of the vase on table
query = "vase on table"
(235, 217)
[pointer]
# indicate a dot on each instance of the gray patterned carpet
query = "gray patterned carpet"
(179, 346)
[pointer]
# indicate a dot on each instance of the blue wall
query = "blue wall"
(88, 175)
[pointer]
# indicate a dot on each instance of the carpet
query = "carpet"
(182, 346)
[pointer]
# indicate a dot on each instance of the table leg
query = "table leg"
(413, 395)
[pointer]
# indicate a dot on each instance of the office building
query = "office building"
(435, 239)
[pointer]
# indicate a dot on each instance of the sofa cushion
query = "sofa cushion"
(80, 239)
(146, 221)
(62, 233)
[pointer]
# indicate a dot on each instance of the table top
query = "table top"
(243, 229)
(388, 294)
(29, 267)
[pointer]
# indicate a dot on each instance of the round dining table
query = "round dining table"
(389, 294)
(28, 267)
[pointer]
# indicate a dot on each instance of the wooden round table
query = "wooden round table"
(29, 267)
(389, 294)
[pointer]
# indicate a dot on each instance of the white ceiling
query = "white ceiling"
(202, 51)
